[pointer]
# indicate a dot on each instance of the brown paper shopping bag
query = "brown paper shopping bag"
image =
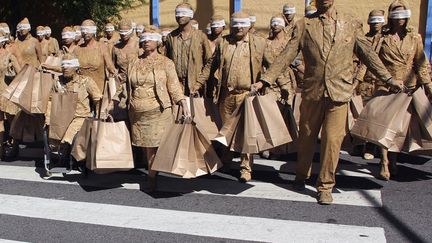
(63, 106)
(271, 122)
(206, 115)
(23, 74)
(227, 132)
(186, 151)
(417, 141)
(110, 150)
(423, 109)
(23, 92)
(41, 89)
(81, 145)
(383, 120)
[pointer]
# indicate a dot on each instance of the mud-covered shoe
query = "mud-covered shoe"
(325, 198)
(245, 177)
(384, 171)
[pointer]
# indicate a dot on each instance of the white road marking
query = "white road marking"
(225, 187)
(190, 223)
(354, 170)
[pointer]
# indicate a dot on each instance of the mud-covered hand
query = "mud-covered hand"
(396, 85)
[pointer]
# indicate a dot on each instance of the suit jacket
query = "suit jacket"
(335, 71)
(199, 53)
(216, 64)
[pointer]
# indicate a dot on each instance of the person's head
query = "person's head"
(310, 10)
(109, 30)
(5, 28)
(324, 5)
(150, 39)
(398, 14)
(289, 12)
(140, 29)
(3, 39)
(376, 20)
(165, 32)
(184, 14)
(40, 33)
(23, 27)
(47, 32)
(88, 30)
(70, 65)
(78, 34)
(125, 30)
(68, 35)
(217, 25)
(240, 25)
(194, 24)
(277, 24)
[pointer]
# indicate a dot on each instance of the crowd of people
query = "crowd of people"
(320, 58)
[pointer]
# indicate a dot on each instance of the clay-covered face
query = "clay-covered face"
(109, 34)
(87, 36)
(240, 32)
(69, 72)
(289, 17)
(183, 20)
(149, 46)
(68, 41)
(125, 28)
(217, 30)
(377, 27)
(23, 32)
(399, 22)
(276, 28)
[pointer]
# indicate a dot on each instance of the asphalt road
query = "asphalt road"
(36, 210)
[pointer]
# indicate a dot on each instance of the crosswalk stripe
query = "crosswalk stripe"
(225, 187)
(10, 241)
(353, 170)
(183, 222)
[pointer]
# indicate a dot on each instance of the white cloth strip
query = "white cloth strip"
(89, 29)
(6, 30)
(140, 29)
(240, 22)
(151, 37)
(244, 228)
(125, 32)
(184, 12)
(68, 35)
(278, 21)
(3, 39)
(310, 12)
(400, 14)
(376, 19)
(47, 30)
(23, 27)
(218, 23)
(165, 33)
(195, 26)
(289, 10)
(73, 63)
(78, 33)
(40, 32)
(109, 28)
(252, 19)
